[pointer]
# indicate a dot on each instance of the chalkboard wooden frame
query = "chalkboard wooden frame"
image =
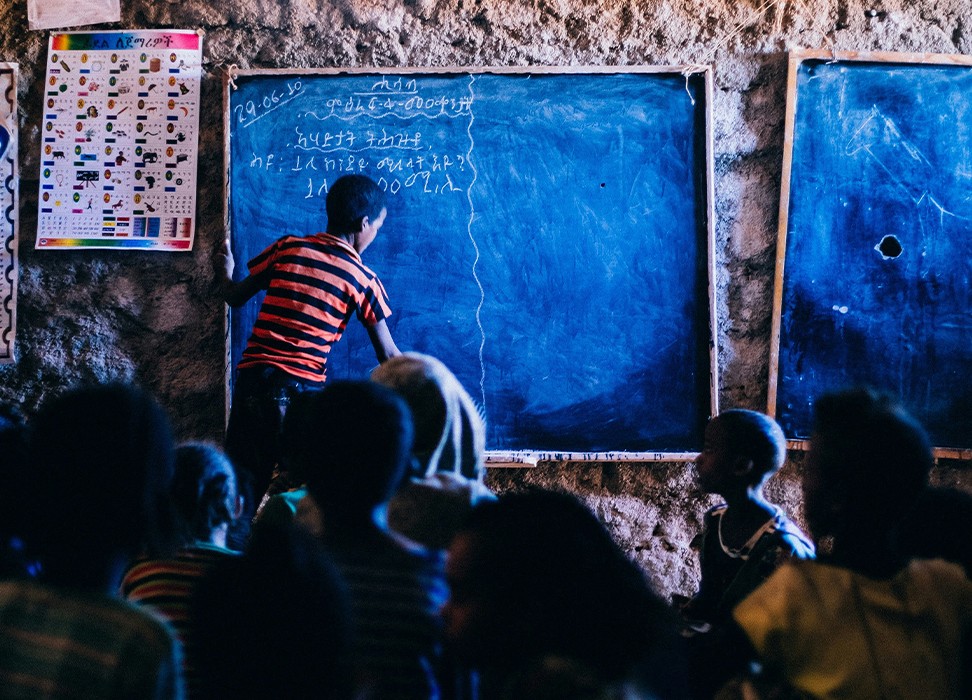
(778, 344)
(704, 210)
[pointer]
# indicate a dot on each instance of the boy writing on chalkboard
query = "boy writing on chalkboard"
(745, 538)
(314, 284)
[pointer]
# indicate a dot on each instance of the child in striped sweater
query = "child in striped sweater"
(313, 284)
(205, 495)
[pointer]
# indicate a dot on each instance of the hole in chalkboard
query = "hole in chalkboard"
(889, 247)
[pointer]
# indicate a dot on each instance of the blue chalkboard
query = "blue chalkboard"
(547, 235)
(877, 282)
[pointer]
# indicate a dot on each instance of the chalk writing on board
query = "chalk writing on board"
(546, 237)
(254, 110)
(397, 156)
(404, 101)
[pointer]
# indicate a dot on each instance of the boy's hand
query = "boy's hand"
(224, 261)
(235, 293)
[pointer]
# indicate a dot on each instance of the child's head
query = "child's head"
(274, 622)
(741, 449)
(350, 443)
(204, 490)
(868, 462)
(102, 466)
(352, 199)
(537, 573)
(449, 432)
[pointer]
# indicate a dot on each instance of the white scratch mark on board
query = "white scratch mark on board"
(879, 131)
(942, 211)
(905, 165)
(876, 130)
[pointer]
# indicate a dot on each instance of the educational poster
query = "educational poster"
(120, 135)
(8, 210)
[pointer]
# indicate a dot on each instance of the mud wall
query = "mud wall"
(155, 318)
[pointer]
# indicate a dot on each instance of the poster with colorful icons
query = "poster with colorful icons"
(8, 210)
(119, 141)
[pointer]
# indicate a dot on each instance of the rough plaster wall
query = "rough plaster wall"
(153, 318)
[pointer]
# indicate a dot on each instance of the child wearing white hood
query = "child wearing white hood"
(445, 478)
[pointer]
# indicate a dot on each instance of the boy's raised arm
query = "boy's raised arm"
(382, 341)
(234, 293)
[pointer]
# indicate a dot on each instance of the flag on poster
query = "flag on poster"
(119, 140)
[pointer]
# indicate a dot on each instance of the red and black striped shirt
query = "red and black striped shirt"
(314, 284)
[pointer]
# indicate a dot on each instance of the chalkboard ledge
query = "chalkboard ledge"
(962, 453)
(530, 459)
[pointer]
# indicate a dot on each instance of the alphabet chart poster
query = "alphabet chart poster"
(120, 135)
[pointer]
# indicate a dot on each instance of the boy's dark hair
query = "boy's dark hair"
(350, 443)
(869, 453)
(274, 622)
(564, 587)
(204, 490)
(754, 436)
(102, 466)
(349, 200)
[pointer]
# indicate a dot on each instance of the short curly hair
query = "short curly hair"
(349, 200)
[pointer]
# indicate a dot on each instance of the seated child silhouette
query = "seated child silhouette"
(445, 476)
(350, 443)
(273, 623)
(545, 604)
(865, 620)
(746, 538)
(206, 500)
(100, 468)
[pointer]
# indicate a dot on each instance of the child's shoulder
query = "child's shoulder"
(787, 539)
(315, 240)
(712, 518)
